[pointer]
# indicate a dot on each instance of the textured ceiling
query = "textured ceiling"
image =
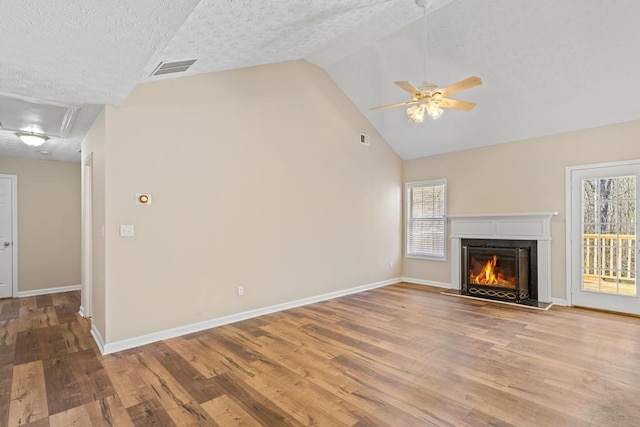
(225, 35)
(549, 66)
(84, 53)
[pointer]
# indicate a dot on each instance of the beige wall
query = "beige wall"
(94, 156)
(258, 179)
(525, 176)
(48, 222)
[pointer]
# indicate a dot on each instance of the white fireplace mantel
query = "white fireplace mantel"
(509, 226)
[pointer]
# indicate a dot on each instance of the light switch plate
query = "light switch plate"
(126, 231)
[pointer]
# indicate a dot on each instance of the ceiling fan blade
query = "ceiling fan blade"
(456, 104)
(460, 86)
(397, 104)
(414, 91)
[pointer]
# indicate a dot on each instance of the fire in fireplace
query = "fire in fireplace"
(490, 273)
(499, 269)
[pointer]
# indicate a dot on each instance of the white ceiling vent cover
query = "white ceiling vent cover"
(365, 139)
(172, 67)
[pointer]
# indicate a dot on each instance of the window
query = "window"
(426, 219)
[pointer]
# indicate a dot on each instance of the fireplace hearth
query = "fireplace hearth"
(504, 270)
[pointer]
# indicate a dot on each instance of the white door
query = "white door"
(6, 237)
(604, 245)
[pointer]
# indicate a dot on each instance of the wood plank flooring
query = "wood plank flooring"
(402, 355)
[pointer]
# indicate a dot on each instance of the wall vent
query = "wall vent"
(365, 139)
(172, 67)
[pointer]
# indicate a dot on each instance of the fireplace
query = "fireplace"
(498, 269)
(509, 231)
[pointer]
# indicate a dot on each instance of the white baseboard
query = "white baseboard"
(224, 320)
(95, 333)
(427, 282)
(22, 294)
(558, 301)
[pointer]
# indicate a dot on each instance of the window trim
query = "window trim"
(428, 183)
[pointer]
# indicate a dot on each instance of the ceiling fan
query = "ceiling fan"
(428, 97)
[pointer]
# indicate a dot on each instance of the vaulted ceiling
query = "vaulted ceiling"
(548, 66)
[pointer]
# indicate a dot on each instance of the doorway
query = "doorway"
(8, 236)
(603, 230)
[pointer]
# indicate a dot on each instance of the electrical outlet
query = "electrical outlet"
(390, 265)
(240, 291)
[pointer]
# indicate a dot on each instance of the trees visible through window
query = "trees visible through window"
(426, 221)
(609, 235)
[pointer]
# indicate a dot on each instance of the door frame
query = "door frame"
(14, 232)
(568, 216)
(86, 308)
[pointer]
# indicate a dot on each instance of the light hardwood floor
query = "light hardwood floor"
(402, 355)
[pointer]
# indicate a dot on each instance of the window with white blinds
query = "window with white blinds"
(426, 219)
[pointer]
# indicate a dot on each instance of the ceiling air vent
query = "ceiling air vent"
(365, 139)
(172, 67)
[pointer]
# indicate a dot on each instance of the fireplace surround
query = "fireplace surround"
(511, 228)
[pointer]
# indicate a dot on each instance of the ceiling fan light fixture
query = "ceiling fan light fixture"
(416, 113)
(32, 139)
(429, 97)
(434, 111)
